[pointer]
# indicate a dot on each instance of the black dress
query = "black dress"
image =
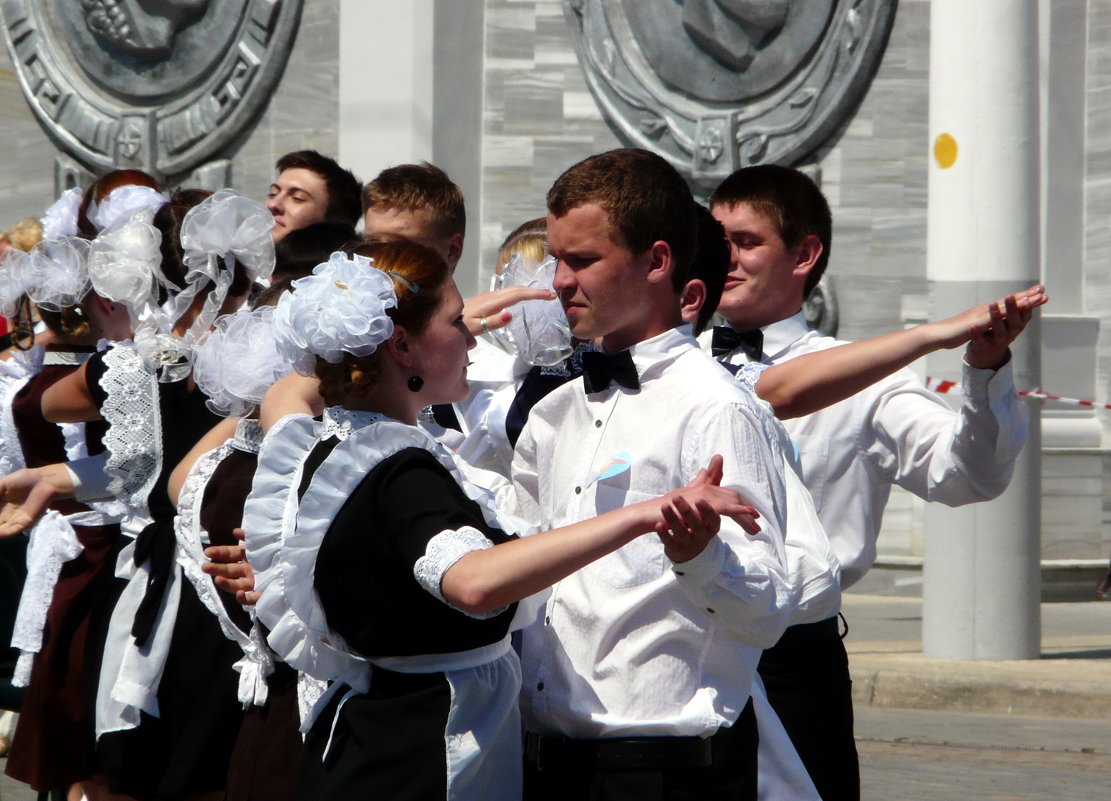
(430, 718)
(185, 749)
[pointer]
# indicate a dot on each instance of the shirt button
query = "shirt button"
(597, 423)
(680, 573)
(578, 490)
(708, 609)
(540, 686)
(547, 621)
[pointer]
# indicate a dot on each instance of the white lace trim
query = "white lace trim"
(749, 373)
(443, 551)
(134, 437)
(248, 436)
(341, 423)
(53, 543)
(283, 536)
(309, 692)
(257, 662)
(14, 375)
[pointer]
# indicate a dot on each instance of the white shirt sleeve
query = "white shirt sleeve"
(740, 579)
(951, 457)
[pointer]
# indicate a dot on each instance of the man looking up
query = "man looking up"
(778, 225)
(420, 203)
(311, 188)
(643, 662)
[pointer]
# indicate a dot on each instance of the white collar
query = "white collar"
(651, 355)
(67, 358)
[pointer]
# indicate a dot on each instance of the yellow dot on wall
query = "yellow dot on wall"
(945, 151)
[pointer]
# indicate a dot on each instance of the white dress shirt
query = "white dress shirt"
(895, 432)
(633, 645)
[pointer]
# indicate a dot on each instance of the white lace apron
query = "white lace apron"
(482, 735)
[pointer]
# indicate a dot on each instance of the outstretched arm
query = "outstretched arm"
(25, 494)
(813, 381)
(686, 520)
(491, 307)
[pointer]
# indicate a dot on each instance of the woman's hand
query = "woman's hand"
(691, 517)
(487, 312)
(990, 328)
(24, 496)
(231, 571)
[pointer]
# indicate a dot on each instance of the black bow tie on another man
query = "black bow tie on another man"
(599, 369)
(726, 340)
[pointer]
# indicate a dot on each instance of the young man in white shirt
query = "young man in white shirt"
(779, 226)
(643, 662)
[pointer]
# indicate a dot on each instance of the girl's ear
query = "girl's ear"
(399, 346)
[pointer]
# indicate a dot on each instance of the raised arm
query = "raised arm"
(813, 381)
(685, 520)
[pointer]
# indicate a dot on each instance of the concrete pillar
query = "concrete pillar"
(981, 577)
(410, 89)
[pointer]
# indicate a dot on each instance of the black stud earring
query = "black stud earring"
(416, 383)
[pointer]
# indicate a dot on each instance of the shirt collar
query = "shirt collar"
(651, 355)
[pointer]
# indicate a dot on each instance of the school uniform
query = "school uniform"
(851, 453)
(640, 668)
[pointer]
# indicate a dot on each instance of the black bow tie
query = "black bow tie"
(726, 340)
(599, 369)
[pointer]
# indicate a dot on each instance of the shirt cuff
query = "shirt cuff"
(90, 481)
(703, 569)
(994, 385)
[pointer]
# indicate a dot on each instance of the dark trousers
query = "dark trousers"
(806, 675)
(730, 776)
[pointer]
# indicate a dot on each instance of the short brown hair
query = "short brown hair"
(409, 187)
(342, 185)
(419, 274)
(645, 198)
(790, 200)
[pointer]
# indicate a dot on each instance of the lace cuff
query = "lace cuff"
(443, 551)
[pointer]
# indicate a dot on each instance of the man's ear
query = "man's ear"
(690, 302)
(454, 250)
(660, 263)
(809, 252)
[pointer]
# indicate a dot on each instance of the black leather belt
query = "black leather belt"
(552, 752)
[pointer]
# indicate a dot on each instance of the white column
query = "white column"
(385, 83)
(981, 589)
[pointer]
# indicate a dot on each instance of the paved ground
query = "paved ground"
(1072, 679)
(936, 730)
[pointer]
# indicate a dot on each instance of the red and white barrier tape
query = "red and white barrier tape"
(942, 387)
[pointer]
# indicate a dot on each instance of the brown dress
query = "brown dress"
(53, 745)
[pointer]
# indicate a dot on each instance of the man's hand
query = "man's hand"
(487, 312)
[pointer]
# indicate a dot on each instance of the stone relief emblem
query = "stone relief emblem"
(714, 85)
(162, 85)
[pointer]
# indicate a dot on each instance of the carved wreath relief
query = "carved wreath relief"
(161, 85)
(714, 85)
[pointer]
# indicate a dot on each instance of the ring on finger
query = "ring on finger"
(484, 326)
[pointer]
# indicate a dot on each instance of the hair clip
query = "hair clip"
(409, 283)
